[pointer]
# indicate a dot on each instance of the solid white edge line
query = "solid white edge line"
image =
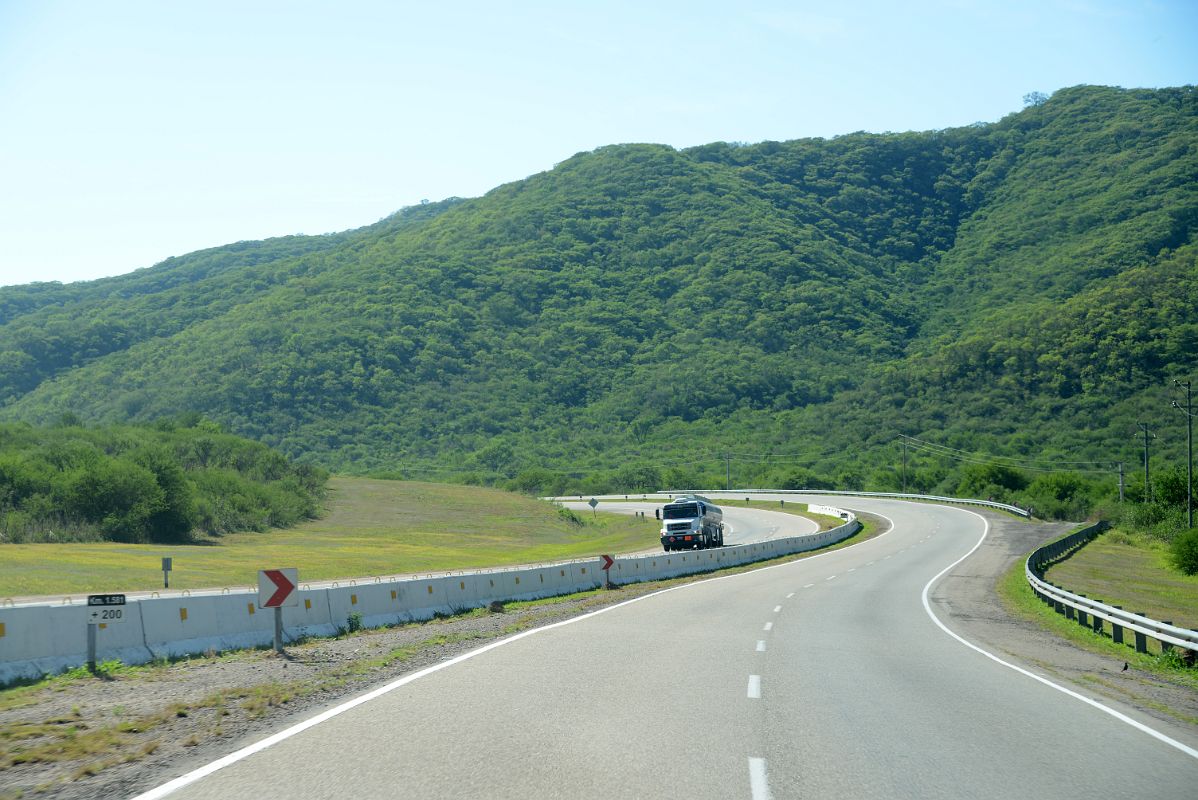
(759, 788)
(927, 606)
(232, 758)
(754, 687)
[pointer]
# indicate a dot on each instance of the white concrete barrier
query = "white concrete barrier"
(36, 640)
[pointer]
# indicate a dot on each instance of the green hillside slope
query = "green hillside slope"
(1025, 287)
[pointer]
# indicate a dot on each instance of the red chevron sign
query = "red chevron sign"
(607, 562)
(276, 588)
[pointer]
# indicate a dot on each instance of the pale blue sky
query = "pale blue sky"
(135, 130)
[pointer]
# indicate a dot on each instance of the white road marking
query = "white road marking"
(853, 569)
(792, 594)
(808, 586)
(754, 687)
(927, 606)
(761, 645)
(830, 578)
(759, 788)
(768, 625)
(777, 609)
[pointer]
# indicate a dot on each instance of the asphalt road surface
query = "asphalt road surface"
(825, 677)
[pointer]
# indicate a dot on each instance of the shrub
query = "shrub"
(1184, 551)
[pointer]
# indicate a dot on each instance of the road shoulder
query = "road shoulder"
(967, 601)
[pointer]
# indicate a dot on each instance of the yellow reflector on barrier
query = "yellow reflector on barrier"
(182, 614)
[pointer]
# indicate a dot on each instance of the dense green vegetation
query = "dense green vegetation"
(641, 317)
(145, 484)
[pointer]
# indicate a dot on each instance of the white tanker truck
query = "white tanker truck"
(691, 522)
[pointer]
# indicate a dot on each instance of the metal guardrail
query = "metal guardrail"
(1093, 613)
(894, 495)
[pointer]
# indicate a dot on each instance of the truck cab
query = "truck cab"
(691, 522)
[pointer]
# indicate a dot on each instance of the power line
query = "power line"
(1000, 461)
(1014, 461)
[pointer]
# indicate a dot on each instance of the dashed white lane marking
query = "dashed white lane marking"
(830, 578)
(777, 609)
(754, 687)
(759, 788)
(200, 773)
(761, 645)
(768, 625)
(852, 569)
(871, 563)
(808, 586)
(792, 594)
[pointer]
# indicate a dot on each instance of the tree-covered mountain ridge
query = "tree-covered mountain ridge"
(1025, 287)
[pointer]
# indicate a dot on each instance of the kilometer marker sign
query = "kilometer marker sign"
(276, 588)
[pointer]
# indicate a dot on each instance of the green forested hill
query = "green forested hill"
(1025, 287)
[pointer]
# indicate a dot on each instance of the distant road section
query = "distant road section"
(741, 525)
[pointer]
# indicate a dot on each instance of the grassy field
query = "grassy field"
(1133, 573)
(373, 527)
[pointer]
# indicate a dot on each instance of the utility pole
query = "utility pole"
(1147, 486)
(1189, 412)
(1120, 481)
(904, 466)
(728, 471)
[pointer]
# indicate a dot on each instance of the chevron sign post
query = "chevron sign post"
(276, 589)
(605, 563)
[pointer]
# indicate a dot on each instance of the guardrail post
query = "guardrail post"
(1141, 639)
(1165, 646)
(1083, 618)
(1117, 630)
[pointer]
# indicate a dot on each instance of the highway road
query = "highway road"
(825, 677)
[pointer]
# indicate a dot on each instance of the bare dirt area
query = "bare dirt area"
(976, 611)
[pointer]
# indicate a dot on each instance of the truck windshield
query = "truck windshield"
(688, 511)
